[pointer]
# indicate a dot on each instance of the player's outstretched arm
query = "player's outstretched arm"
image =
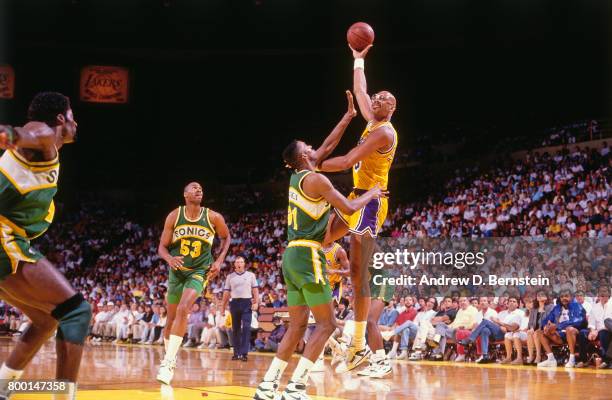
(317, 185)
(224, 235)
(166, 240)
(379, 139)
(34, 135)
(332, 140)
(360, 86)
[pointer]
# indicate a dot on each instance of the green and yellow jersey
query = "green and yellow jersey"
(26, 194)
(307, 217)
(193, 239)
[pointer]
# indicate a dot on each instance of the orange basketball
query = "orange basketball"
(360, 35)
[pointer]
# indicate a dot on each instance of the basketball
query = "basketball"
(360, 35)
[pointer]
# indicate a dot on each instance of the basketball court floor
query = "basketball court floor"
(110, 372)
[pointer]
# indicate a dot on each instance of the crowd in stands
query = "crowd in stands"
(565, 196)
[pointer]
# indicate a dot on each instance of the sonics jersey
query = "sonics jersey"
(303, 261)
(193, 239)
(374, 169)
(26, 207)
(307, 217)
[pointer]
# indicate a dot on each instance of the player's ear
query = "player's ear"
(61, 119)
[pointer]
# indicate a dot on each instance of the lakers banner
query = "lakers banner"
(104, 84)
(7, 82)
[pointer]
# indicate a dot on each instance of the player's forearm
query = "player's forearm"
(360, 88)
(332, 140)
(225, 244)
(335, 164)
(361, 201)
(163, 252)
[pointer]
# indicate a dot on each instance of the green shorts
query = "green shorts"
(382, 292)
(305, 276)
(178, 280)
(14, 248)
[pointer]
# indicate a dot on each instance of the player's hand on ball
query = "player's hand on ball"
(351, 111)
(362, 53)
(176, 262)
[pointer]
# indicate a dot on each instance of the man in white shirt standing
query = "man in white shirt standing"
(600, 327)
(508, 321)
(241, 286)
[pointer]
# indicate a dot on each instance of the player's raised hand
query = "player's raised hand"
(176, 262)
(351, 111)
(362, 53)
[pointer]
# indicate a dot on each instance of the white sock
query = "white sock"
(359, 340)
(550, 356)
(6, 375)
(572, 357)
(395, 347)
(300, 375)
(380, 354)
(173, 347)
(275, 371)
(166, 341)
(69, 395)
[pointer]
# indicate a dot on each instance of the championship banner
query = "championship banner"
(104, 84)
(7, 82)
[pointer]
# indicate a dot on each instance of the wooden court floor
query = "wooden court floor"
(110, 372)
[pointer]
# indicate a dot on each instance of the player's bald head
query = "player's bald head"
(387, 96)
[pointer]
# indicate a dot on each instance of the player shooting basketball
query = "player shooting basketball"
(371, 160)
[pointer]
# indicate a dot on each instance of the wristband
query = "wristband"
(359, 64)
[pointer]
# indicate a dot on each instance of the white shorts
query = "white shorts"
(521, 335)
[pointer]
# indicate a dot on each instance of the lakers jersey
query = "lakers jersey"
(332, 261)
(374, 169)
(193, 239)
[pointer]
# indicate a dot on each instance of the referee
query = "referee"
(241, 286)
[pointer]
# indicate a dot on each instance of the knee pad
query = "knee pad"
(74, 316)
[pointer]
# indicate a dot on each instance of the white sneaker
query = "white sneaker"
(319, 365)
(548, 363)
(570, 364)
(460, 358)
(354, 359)
(266, 391)
(387, 334)
(166, 371)
(295, 391)
(416, 356)
(392, 355)
(378, 369)
(403, 355)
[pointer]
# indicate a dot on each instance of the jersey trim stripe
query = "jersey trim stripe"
(314, 210)
(302, 190)
(212, 227)
(15, 228)
(193, 220)
(178, 215)
(34, 165)
(305, 243)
